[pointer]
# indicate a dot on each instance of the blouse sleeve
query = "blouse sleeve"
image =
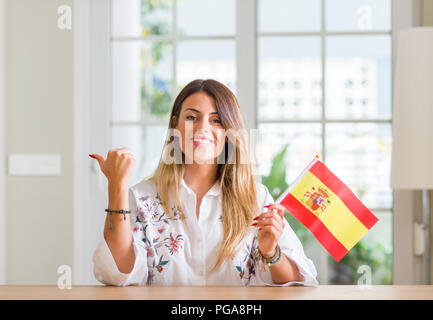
(292, 248)
(104, 265)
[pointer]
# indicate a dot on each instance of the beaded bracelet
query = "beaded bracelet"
(271, 261)
(116, 211)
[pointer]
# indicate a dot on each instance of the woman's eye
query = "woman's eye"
(217, 120)
(190, 117)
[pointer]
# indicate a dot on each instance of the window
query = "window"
(158, 46)
(323, 80)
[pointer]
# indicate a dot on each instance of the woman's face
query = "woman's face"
(202, 134)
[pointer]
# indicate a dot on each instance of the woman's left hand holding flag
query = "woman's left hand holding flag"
(271, 225)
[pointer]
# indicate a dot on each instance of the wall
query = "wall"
(427, 13)
(39, 113)
(427, 20)
(408, 268)
(2, 145)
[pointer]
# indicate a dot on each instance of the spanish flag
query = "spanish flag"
(328, 208)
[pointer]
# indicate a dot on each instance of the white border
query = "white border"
(2, 143)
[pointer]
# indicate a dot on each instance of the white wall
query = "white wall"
(408, 268)
(427, 20)
(2, 147)
(91, 93)
(38, 117)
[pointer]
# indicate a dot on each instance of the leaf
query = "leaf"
(239, 268)
(276, 180)
(163, 263)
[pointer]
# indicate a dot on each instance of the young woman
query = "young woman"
(201, 219)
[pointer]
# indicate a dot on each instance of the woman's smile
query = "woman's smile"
(201, 141)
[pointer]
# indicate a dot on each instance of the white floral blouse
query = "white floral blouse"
(169, 251)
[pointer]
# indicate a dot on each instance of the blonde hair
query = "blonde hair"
(235, 177)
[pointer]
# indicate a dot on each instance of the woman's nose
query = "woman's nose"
(203, 124)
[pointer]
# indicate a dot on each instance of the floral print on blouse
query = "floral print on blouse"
(171, 250)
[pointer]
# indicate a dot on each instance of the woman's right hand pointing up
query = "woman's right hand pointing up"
(117, 167)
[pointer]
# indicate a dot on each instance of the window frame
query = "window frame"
(323, 121)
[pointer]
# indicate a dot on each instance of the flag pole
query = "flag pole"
(307, 168)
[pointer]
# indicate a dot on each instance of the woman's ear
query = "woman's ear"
(174, 121)
(173, 125)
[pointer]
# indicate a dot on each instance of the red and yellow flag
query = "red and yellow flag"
(328, 208)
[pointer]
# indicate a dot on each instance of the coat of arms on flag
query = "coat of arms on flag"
(328, 208)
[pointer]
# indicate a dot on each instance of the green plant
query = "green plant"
(276, 180)
(155, 96)
(276, 184)
(371, 254)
